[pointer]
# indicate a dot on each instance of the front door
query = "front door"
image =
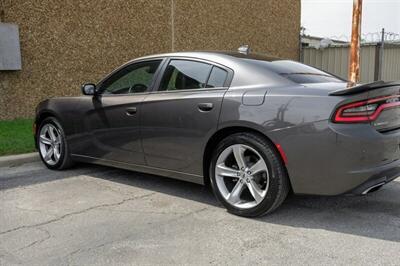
(113, 119)
(178, 119)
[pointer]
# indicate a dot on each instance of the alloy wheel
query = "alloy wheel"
(242, 176)
(50, 144)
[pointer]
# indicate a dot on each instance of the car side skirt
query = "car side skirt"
(141, 168)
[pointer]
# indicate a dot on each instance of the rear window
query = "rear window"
(304, 78)
(299, 73)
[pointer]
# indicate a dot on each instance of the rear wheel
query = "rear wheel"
(53, 148)
(247, 175)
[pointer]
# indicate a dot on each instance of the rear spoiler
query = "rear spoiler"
(364, 88)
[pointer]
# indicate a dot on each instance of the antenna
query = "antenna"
(244, 49)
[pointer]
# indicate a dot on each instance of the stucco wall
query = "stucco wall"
(66, 43)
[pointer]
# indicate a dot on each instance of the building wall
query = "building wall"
(391, 65)
(336, 61)
(315, 42)
(65, 43)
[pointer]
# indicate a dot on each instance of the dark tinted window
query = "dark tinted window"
(305, 78)
(185, 75)
(131, 79)
(297, 72)
(217, 78)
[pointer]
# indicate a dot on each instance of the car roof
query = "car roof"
(249, 69)
(213, 55)
(243, 65)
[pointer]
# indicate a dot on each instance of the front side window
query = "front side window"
(185, 75)
(134, 78)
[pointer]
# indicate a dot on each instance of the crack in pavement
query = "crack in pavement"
(76, 213)
(70, 255)
(48, 236)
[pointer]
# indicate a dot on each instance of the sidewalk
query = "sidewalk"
(13, 160)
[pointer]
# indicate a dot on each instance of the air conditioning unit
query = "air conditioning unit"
(10, 51)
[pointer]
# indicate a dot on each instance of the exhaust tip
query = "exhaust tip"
(373, 188)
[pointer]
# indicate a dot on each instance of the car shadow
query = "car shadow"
(169, 186)
(376, 215)
(36, 173)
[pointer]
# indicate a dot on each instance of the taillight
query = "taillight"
(365, 111)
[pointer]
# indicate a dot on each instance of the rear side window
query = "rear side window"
(185, 75)
(217, 78)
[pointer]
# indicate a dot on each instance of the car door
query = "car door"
(112, 116)
(180, 116)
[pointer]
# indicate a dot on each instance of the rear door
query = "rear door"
(180, 116)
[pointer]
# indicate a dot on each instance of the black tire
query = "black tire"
(65, 160)
(279, 185)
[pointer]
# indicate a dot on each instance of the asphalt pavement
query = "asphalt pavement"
(104, 216)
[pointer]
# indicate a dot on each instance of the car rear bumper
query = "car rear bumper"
(378, 176)
(379, 159)
(334, 159)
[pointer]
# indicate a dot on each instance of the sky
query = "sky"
(332, 18)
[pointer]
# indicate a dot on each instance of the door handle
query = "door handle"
(131, 111)
(205, 107)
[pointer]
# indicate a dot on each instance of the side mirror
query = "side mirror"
(89, 89)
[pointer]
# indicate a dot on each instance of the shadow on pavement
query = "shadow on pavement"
(36, 173)
(375, 215)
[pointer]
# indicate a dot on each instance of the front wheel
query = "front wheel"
(52, 145)
(247, 175)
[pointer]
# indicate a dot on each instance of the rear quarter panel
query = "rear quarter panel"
(298, 119)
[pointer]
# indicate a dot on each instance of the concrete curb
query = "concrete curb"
(13, 160)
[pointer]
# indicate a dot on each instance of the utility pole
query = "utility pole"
(354, 64)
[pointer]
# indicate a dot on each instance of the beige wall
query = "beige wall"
(65, 43)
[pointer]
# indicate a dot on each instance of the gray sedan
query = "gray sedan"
(253, 127)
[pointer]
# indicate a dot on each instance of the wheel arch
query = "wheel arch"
(45, 114)
(225, 132)
(40, 117)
